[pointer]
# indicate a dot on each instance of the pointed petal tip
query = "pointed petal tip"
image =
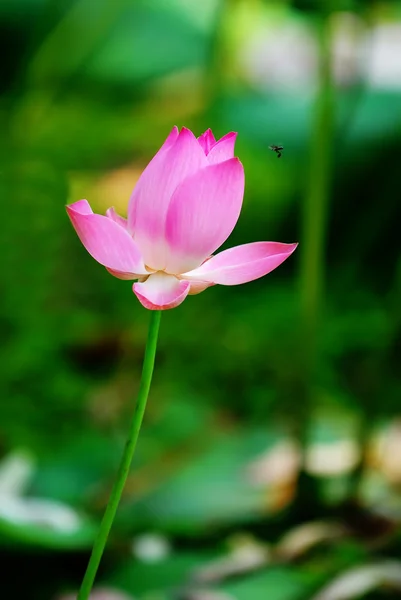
(232, 160)
(114, 216)
(208, 133)
(229, 136)
(106, 240)
(187, 136)
(172, 136)
(292, 247)
(207, 140)
(241, 264)
(81, 207)
(186, 131)
(223, 149)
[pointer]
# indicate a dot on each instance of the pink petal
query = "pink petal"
(242, 263)
(111, 213)
(198, 286)
(82, 206)
(223, 149)
(207, 140)
(146, 180)
(202, 214)
(105, 240)
(121, 275)
(161, 291)
(151, 197)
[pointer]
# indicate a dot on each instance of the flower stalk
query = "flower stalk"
(129, 450)
(316, 209)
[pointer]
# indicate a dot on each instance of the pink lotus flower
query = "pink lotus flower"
(184, 206)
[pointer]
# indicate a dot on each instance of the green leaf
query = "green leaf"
(213, 488)
(277, 583)
(142, 578)
(25, 525)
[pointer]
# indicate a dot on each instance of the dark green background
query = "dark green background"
(305, 361)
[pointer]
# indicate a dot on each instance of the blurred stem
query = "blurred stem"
(316, 204)
(115, 496)
(314, 217)
(216, 62)
(50, 58)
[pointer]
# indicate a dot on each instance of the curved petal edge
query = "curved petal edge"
(105, 240)
(242, 263)
(147, 210)
(223, 149)
(207, 140)
(114, 216)
(161, 291)
(202, 213)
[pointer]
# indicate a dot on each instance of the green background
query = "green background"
(275, 406)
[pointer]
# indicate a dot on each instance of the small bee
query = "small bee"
(277, 150)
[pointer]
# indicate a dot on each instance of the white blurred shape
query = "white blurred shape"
(336, 458)
(279, 465)
(384, 66)
(151, 547)
(304, 537)
(248, 556)
(357, 582)
(208, 595)
(385, 452)
(348, 47)
(37, 511)
(283, 57)
(16, 472)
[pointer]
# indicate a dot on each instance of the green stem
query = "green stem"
(314, 227)
(115, 496)
(316, 205)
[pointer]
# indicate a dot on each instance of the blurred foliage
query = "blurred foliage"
(239, 448)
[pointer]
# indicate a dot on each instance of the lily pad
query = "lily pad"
(45, 524)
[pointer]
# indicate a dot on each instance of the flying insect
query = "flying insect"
(277, 149)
